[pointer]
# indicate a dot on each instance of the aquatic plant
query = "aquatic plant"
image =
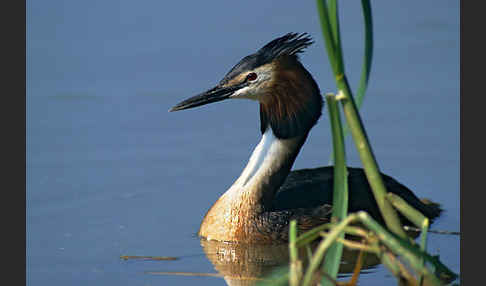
(397, 251)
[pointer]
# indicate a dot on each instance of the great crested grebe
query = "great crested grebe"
(258, 206)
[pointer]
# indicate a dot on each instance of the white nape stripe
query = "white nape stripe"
(263, 157)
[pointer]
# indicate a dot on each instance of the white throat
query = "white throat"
(269, 150)
(265, 172)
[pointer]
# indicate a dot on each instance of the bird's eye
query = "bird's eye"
(251, 76)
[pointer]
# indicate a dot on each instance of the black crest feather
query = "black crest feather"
(290, 44)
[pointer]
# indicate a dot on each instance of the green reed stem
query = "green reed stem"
(295, 263)
(328, 36)
(355, 124)
(415, 217)
(334, 24)
(368, 53)
(414, 256)
(292, 239)
(314, 233)
(396, 267)
(368, 50)
(409, 252)
(368, 160)
(367, 58)
(323, 246)
(340, 192)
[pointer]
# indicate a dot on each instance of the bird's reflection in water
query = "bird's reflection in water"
(245, 264)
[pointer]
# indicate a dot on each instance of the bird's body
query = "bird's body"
(257, 208)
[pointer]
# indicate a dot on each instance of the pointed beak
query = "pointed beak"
(215, 94)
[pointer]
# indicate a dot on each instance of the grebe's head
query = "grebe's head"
(290, 100)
